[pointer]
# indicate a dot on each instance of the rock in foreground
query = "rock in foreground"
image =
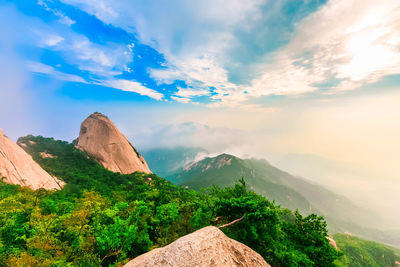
(19, 168)
(100, 138)
(208, 246)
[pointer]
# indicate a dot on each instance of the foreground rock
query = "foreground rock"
(208, 246)
(19, 168)
(100, 138)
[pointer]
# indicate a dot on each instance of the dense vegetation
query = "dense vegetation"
(224, 170)
(287, 190)
(105, 218)
(359, 253)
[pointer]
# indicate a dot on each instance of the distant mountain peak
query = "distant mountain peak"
(100, 138)
(211, 162)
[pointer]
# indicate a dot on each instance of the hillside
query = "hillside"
(360, 252)
(287, 190)
(77, 169)
(106, 218)
(225, 170)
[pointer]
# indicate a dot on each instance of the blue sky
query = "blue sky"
(153, 63)
(180, 56)
(80, 46)
(195, 53)
(255, 77)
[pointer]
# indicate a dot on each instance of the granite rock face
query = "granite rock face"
(19, 168)
(100, 138)
(206, 247)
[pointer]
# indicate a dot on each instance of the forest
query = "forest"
(105, 218)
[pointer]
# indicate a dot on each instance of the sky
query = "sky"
(305, 84)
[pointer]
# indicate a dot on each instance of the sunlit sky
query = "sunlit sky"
(261, 78)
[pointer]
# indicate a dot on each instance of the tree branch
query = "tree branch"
(232, 222)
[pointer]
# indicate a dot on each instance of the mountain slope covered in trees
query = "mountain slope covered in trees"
(105, 218)
(360, 252)
(287, 190)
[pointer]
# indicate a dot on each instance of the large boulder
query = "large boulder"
(18, 167)
(100, 138)
(208, 246)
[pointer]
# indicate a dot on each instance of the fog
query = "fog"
(348, 144)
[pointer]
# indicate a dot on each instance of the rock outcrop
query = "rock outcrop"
(100, 138)
(208, 246)
(18, 167)
(332, 242)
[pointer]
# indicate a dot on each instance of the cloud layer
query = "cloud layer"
(323, 48)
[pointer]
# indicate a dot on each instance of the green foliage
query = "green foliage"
(359, 252)
(297, 241)
(287, 190)
(224, 170)
(105, 218)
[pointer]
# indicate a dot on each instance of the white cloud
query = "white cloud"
(132, 86)
(52, 40)
(193, 36)
(62, 18)
(185, 95)
(124, 85)
(100, 8)
(101, 60)
(355, 42)
(198, 23)
(213, 139)
(284, 78)
(201, 72)
(190, 92)
(181, 99)
(38, 67)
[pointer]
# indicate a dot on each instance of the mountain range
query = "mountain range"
(285, 189)
(102, 159)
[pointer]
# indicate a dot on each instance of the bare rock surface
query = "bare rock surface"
(100, 138)
(332, 242)
(19, 168)
(208, 246)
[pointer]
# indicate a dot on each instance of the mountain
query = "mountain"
(287, 190)
(360, 252)
(19, 168)
(79, 170)
(100, 138)
(224, 170)
(104, 218)
(206, 247)
(166, 161)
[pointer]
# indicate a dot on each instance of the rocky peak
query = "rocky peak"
(211, 162)
(206, 247)
(100, 138)
(18, 167)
